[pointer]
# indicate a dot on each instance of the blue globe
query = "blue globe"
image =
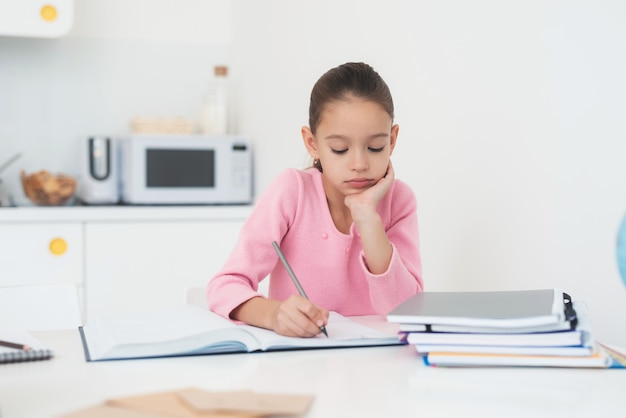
(621, 249)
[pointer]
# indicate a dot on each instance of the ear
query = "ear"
(309, 142)
(393, 137)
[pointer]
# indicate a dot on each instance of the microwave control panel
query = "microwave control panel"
(242, 166)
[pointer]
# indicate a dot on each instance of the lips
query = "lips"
(360, 183)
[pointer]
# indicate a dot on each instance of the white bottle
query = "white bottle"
(215, 104)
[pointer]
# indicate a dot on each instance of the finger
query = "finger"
(302, 326)
(322, 318)
(299, 317)
(292, 326)
(323, 321)
(316, 318)
(288, 324)
(390, 171)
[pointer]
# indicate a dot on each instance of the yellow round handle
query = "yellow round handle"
(58, 246)
(49, 13)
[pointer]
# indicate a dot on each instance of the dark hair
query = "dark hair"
(351, 79)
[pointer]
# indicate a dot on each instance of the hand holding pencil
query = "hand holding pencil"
(308, 309)
(295, 316)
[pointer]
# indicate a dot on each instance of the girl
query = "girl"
(346, 226)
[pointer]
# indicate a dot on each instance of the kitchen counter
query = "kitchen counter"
(121, 258)
(123, 213)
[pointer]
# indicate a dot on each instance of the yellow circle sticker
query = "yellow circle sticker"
(58, 246)
(49, 13)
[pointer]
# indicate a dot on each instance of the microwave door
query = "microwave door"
(180, 168)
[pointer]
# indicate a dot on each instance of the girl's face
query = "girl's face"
(353, 142)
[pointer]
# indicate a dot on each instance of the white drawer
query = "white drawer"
(39, 253)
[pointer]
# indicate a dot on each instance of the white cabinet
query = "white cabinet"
(41, 253)
(135, 266)
(35, 18)
(122, 259)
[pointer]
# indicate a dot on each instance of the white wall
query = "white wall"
(510, 113)
(121, 59)
(511, 127)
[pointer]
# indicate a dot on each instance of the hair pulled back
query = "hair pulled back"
(353, 79)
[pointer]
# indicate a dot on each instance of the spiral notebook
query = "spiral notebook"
(10, 336)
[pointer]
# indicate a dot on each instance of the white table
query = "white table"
(356, 382)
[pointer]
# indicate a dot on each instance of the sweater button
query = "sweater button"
(324, 235)
(347, 250)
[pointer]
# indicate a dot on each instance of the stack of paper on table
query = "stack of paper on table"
(190, 403)
(541, 328)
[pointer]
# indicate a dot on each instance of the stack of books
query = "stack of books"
(541, 328)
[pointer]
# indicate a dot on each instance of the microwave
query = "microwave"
(184, 170)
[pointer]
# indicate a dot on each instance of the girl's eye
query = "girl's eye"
(376, 149)
(339, 151)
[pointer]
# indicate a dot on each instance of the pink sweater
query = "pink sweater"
(329, 264)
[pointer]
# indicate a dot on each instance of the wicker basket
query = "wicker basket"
(46, 189)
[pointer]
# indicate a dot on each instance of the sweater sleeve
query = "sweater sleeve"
(403, 278)
(253, 257)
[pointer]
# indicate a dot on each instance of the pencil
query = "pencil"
(14, 345)
(294, 279)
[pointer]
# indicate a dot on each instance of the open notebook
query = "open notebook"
(191, 330)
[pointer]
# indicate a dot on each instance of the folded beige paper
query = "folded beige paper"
(165, 404)
(109, 411)
(196, 403)
(246, 402)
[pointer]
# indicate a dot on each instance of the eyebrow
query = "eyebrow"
(345, 138)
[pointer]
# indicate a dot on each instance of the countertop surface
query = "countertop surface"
(123, 213)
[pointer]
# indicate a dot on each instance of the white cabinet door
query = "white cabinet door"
(41, 253)
(136, 266)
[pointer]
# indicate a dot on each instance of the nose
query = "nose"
(359, 161)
